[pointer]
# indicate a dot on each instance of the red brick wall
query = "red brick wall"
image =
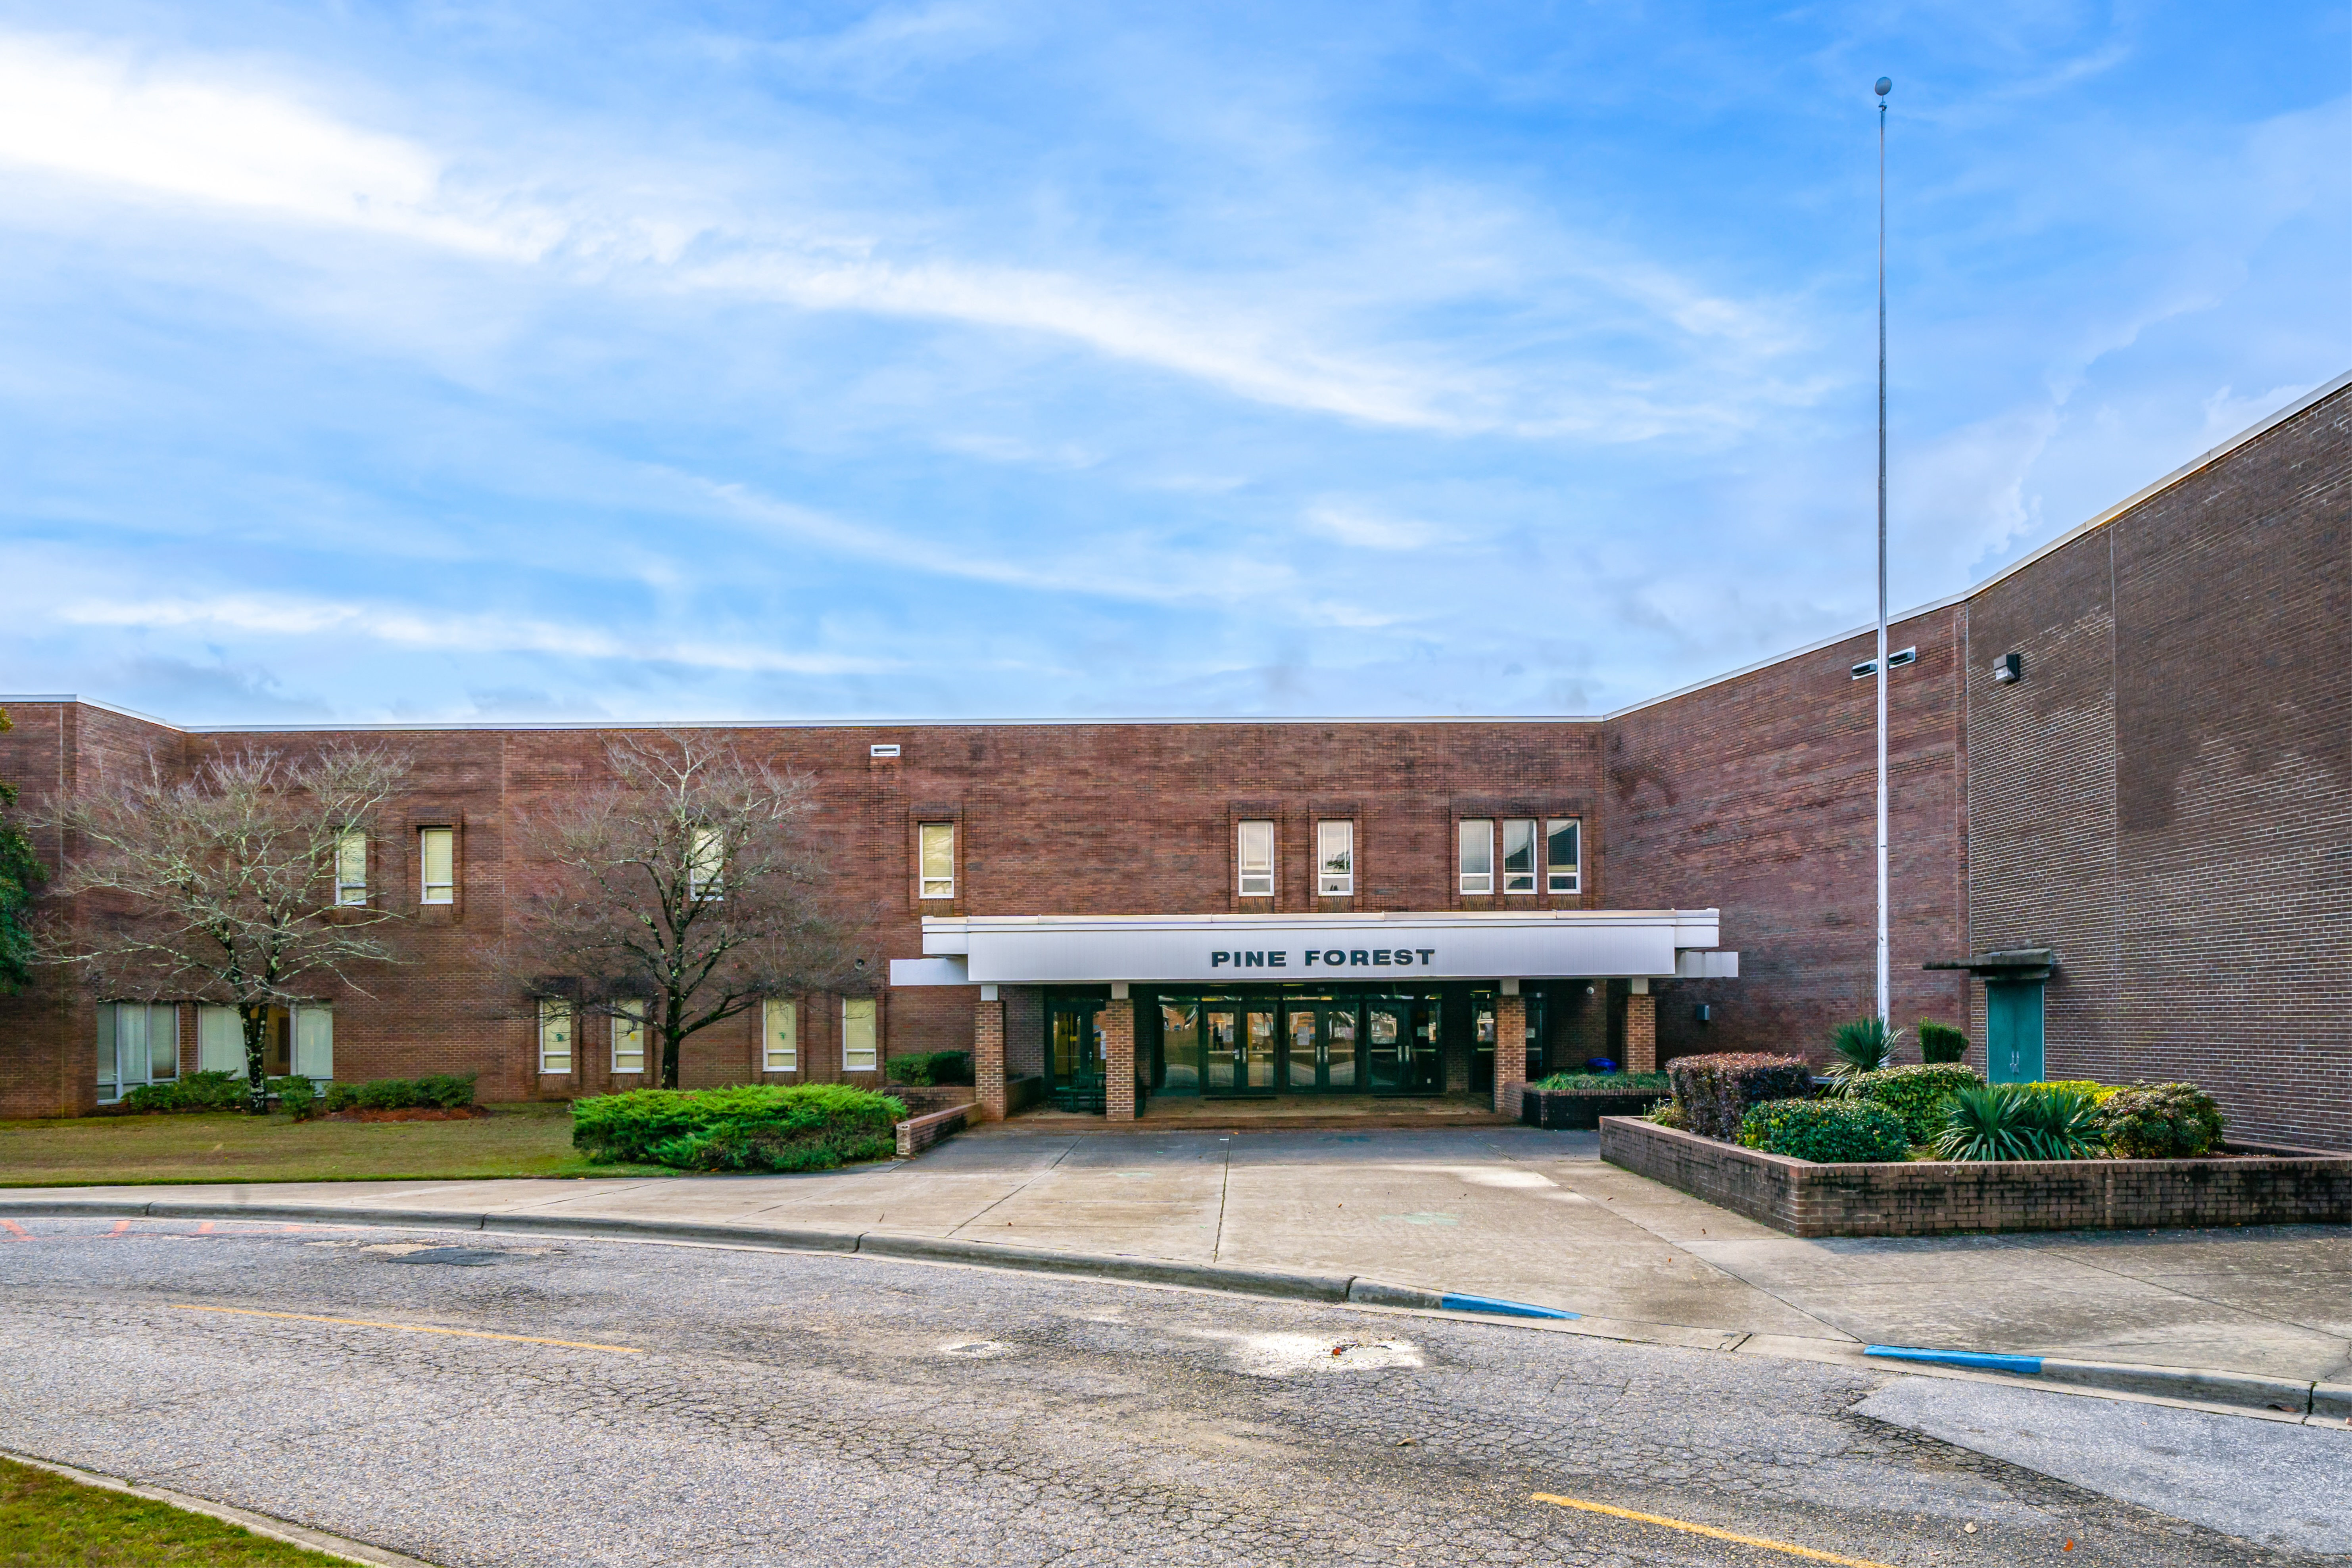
(1757, 795)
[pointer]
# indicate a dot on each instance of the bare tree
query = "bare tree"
(682, 893)
(223, 887)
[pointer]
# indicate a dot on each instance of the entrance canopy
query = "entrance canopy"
(1590, 945)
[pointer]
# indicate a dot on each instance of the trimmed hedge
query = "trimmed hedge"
(1606, 1083)
(1918, 1094)
(1715, 1093)
(443, 1091)
(2160, 1121)
(1941, 1043)
(751, 1127)
(197, 1091)
(1827, 1131)
(928, 1067)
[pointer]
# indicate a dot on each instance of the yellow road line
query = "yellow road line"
(412, 1328)
(1708, 1530)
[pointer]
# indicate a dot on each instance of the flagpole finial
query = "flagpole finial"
(1885, 84)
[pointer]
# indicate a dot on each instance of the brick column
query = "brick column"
(1510, 1053)
(988, 1059)
(1642, 1032)
(1118, 1060)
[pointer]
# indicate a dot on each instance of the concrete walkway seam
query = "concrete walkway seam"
(260, 1523)
(2198, 1384)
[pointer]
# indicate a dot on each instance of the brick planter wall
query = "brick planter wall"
(1934, 1198)
(1561, 1108)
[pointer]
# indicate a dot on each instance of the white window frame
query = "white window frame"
(1521, 883)
(1568, 878)
(428, 891)
(706, 861)
(1478, 831)
(780, 1035)
(555, 1012)
(1253, 880)
(928, 886)
(861, 1011)
(111, 1016)
(351, 867)
(220, 1039)
(1339, 831)
(629, 1023)
(311, 1041)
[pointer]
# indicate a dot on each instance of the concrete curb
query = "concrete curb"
(261, 1524)
(1280, 1284)
(2200, 1385)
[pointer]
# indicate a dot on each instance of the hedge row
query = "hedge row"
(1714, 1093)
(752, 1127)
(926, 1067)
(445, 1091)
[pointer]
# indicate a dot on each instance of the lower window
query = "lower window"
(629, 1038)
(858, 1034)
(780, 1035)
(555, 1026)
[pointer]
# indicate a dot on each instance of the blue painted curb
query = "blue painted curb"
(1500, 1309)
(2023, 1365)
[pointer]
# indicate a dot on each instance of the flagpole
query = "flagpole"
(1885, 86)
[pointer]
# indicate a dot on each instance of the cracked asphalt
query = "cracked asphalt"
(798, 1409)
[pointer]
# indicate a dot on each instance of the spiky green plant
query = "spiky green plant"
(1863, 1045)
(2020, 1121)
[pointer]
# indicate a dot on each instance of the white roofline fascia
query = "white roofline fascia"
(2205, 460)
(2260, 428)
(1379, 916)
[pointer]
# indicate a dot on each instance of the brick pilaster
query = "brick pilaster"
(1118, 1060)
(988, 1060)
(1642, 1033)
(1510, 1053)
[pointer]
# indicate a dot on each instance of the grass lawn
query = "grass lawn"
(47, 1521)
(230, 1146)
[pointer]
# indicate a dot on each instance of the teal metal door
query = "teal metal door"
(2013, 1031)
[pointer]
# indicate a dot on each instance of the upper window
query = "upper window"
(437, 853)
(351, 867)
(1334, 858)
(1254, 855)
(780, 1035)
(1563, 854)
(706, 858)
(858, 1034)
(555, 1026)
(935, 845)
(629, 1038)
(1519, 855)
(1478, 854)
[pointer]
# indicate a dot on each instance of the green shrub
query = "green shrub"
(2019, 1122)
(388, 1094)
(1861, 1045)
(197, 1091)
(2097, 1091)
(1828, 1132)
(1917, 1094)
(764, 1127)
(1670, 1114)
(343, 1097)
(298, 1097)
(448, 1091)
(1607, 1083)
(1715, 1092)
(929, 1067)
(1941, 1042)
(2160, 1122)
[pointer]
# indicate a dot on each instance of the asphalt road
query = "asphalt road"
(718, 1407)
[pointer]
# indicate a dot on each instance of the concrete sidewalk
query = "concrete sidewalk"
(1509, 1212)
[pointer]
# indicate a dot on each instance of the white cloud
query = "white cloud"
(1364, 529)
(269, 615)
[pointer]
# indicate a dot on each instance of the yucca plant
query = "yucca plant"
(1864, 1045)
(2014, 1122)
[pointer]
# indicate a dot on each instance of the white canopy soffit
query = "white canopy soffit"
(1240, 949)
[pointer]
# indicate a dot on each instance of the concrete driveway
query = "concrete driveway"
(1525, 1215)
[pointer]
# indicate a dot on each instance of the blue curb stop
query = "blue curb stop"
(1500, 1309)
(2022, 1365)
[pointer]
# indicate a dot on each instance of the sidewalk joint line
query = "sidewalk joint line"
(410, 1328)
(1809, 1552)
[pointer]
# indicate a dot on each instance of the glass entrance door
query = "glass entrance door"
(1237, 1046)
(1388, 1046)
(1323, 1056)
(1075, 1055)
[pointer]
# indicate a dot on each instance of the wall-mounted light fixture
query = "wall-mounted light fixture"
(1702, 1012)
(1896, 660)
(2008, 669)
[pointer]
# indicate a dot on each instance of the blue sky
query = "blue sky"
(551, 361)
